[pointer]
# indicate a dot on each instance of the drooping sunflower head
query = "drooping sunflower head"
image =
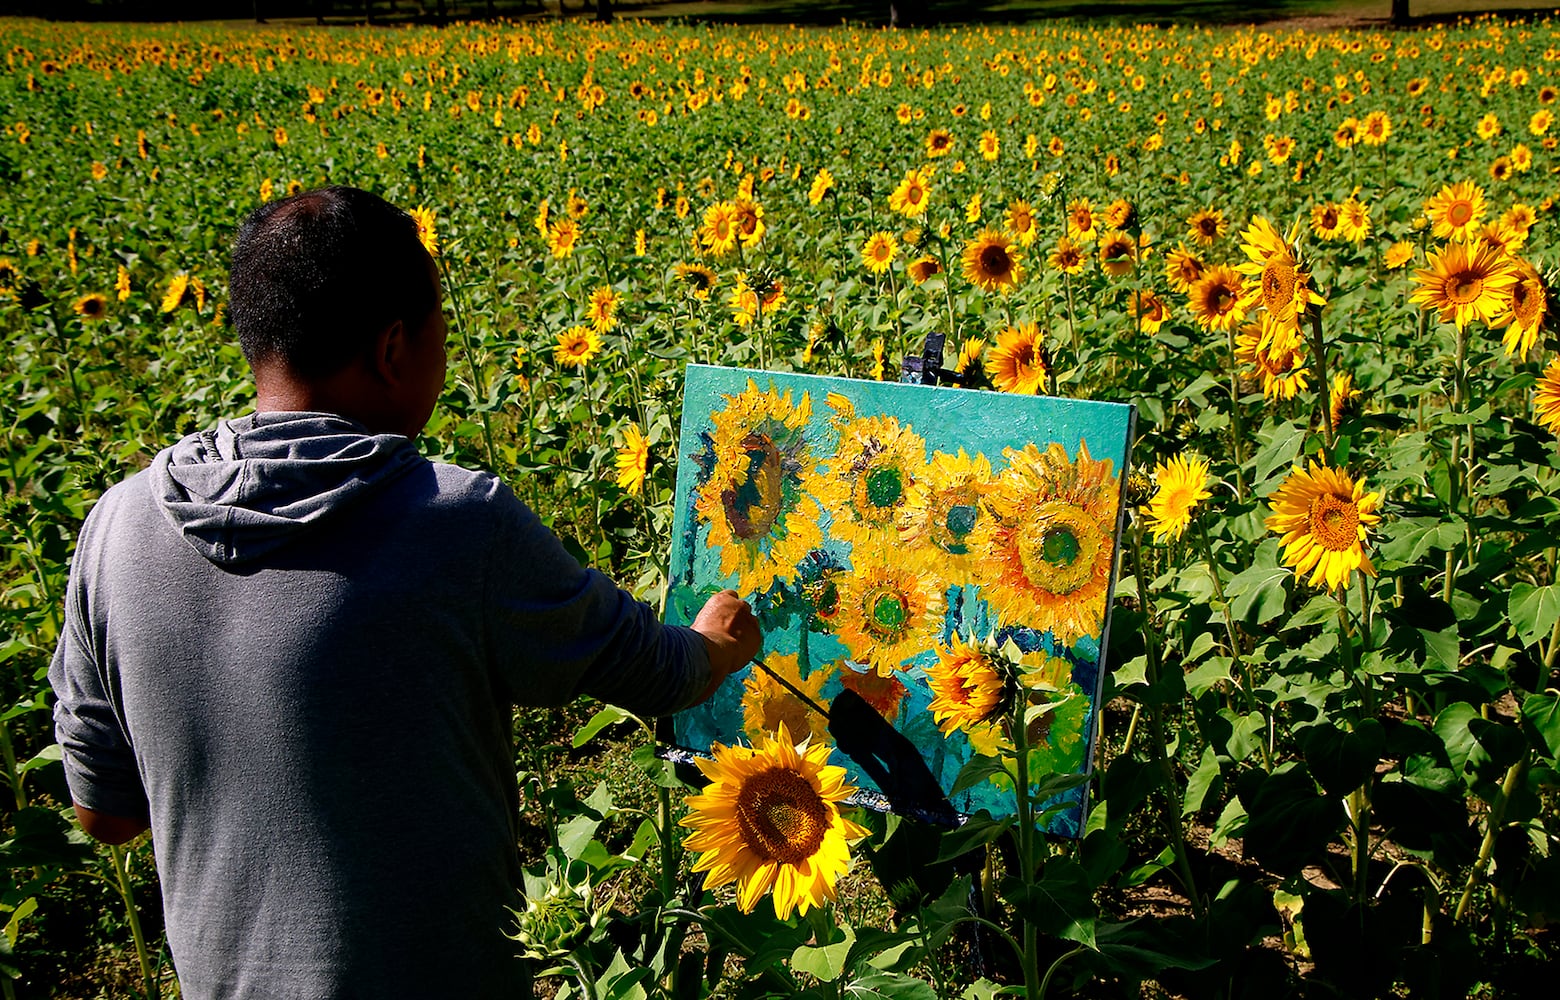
(770, 822)
(1148, 310)
(1282, 288)
(1322, 515)
(991, 262)
(1342, 398)
(1184, 268)
(969, 686)
(1049, 539)
(1018, 362)
(1527, 307)
(1498, 236)
(1464, 283)
(1215, 298)
(822, 184)
(923, 268)
(1120, 214)
(1262, 240)
(1275, 355)
(697, 279)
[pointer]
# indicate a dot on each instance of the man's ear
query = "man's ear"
(388, 358)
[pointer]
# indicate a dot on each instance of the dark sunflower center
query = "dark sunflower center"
(1464, 287)
(1278, 284)
(753, 505)
(1208, 227)
(781, 816)
(1334, 522)
(960, 521)
(884, 486)
(995, 262)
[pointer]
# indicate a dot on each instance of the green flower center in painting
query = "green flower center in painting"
(887, 614)
(1059, 546)
(1059, 556)
(960, 521)
(884, 486)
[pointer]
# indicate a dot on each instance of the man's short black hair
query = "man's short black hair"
(316, 276)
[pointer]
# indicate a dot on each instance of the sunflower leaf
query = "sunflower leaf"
(827, 961)
(1533, 610)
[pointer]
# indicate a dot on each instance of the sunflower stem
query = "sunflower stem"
(1324, 389)
(1237, 438)
(116, 857)
(1029, 957)
(1237, 646)
(477, 383)
(1496, 820)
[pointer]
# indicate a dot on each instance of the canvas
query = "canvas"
(896, 541)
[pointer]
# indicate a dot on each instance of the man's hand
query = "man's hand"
(731, 634)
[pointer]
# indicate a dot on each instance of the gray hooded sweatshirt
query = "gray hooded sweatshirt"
(295, 647)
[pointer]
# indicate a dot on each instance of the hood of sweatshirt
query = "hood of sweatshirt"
(252, 485)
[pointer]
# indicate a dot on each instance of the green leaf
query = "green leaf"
(576, 834)
(1201, 782)
(1343, 761)
(1290, 823)
(890, 987)
(608, 716)
(1059, 902)
(980, 768)
(827, 961)
(1541, 718)
(1259, 594)
(1533, 610)
(978, 831)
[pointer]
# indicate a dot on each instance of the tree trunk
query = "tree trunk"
(1400, 13)
(603, 10)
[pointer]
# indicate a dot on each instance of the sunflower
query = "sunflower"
(1281, 288)
(1067, 257)
(770, 822)
(866, 484)
(969, 355)
(1182, 483)
(1020, 221)
(941, 510)
(1017, 362)
(601, 310)
(1263, 240)
(1322, 515)
(1342, 397)
(939, 142)
(1457, 211)
(1501, 238)
(1081, 224)
(175, 293)
(91, 306)
(1398, 254)
(1276, 355)
(923, 268)
(427, 234)
(767, 704)
(967, 687)
(1207, 225)
(1347, 133)
(1527, 302)
(577, 347)
(1148, 310)
(696, 278)
(633, 460)
(540, 221)
(749, 216)
(719, 234)
(1118, 253)
(762, 522)
(1519, 217)
(884, 694)
(1546, 398)
(1326, 220)
(889, 614)
(1464, 284)
(1049, 541)
(562, 238)
(1376, 128)
(878, 252)
(822, 184)
(122, 284)
(1120, 214)
(1215, 298)
(990, 145)
(991, 263)
(1184, 268)
(1488, 127)
(913, 194)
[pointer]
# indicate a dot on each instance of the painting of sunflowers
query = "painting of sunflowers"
(943, 556)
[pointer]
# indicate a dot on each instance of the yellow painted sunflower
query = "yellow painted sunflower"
(1281, 288)
(1275, 354)
(879, 251)
(1457, 211)
(1207, 225)
(761, 520)
(1464, 284)
(991, 263)
(866, 482)
(1215, 298)
(888, 613)
(767, 704)
(1049, 540)
(942, 508)
(884, 694)
(1322, 515)
(1546, 398)
(602, 308)
(577, 347)
(633, 460)
(770, 822)
(1527, 303)
(913, 194)
(1184, 268)
(1182, 484)
(427, 233)
(1016, 363)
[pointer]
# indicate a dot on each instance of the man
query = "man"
(292, 645)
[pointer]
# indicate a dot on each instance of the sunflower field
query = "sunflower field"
(1319, 263)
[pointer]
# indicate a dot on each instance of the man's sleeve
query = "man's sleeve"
(100, 766)
(559, 630)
